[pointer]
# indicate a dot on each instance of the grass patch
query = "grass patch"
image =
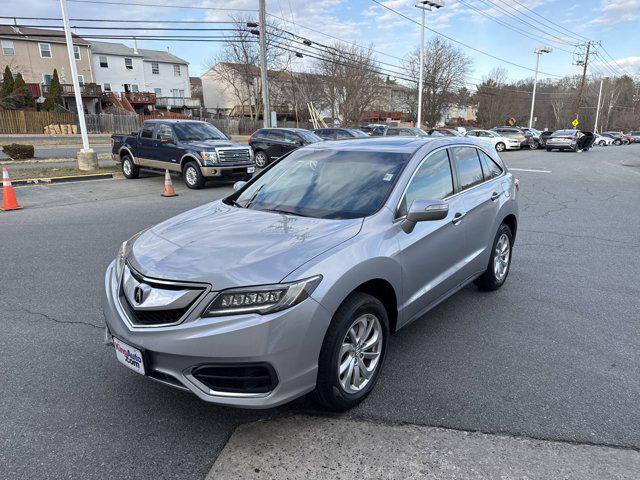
(44, 172)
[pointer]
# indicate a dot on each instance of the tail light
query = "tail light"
(251, 137)
(517, 184)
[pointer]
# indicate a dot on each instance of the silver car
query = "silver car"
(294, 282)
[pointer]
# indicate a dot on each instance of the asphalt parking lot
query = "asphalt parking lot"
(552, 355)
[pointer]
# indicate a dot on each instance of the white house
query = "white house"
(118, 68)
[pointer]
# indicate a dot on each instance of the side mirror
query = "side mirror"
(238, 185)
(424, 211)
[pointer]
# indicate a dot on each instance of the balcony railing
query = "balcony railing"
(144, 98)
(86, 90)
(177, 102)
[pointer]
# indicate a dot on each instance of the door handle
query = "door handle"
(495, 196)
(457, 218)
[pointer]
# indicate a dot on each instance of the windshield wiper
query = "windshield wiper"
(279, 210)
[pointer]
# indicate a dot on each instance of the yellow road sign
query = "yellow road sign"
(575, 123)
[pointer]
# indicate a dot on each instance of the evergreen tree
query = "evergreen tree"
(7, 83)
(21, 93)
(54, 96)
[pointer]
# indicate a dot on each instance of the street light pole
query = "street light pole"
(595, 125)
(262, 24)
(87, 158)
(424, 5)
(538, 51)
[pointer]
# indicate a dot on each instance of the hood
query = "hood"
(210, 144)
(230, 246)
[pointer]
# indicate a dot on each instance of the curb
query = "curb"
(67, 179)
(36, 161)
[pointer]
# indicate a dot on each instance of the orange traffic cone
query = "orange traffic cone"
(168, 186)
(9, 201)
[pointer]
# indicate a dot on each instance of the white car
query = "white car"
(499, 142)
(603, 141)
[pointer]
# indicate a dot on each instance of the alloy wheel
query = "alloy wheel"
(191, 176)
(500, 147)
(360, 353)
(261, 160)
(126, 167)
(501, 259)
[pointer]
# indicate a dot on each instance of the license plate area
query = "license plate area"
(131, 357)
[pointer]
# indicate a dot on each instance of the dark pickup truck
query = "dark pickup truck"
(196, 149)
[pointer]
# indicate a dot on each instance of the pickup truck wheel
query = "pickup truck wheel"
(193, 176)
(129, 169)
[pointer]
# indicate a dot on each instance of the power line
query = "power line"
(186, 7)
(577, 36)
(504, 24)
(462, 43)
(112, 20)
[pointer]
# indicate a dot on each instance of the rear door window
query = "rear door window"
(490, 168)
(275, 135)
(468, 166)
(291, 137)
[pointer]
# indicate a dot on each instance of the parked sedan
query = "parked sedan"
(294, 283)
(515, 133)
(444, 132)
(339, 133)
(602, 140)
(617, 137)
(574, 140)
(406, 132)
(635, 134)
(499, 142)
(269, 144)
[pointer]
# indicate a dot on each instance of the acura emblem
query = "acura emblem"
(141, 292)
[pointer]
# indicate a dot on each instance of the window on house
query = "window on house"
(104, 63)
(176, 70)
(45, 50)
(155, 68)
(106, 87)
(8, 48)
(128, 64)
(134, 88)
(46, 78)
(76, 52)
(177, 92)
(81, 80)
(158, 92)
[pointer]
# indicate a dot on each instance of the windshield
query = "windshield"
(358, 133)
(326, 183)
(197, 131)
(308, 137)
(564, 133)
(418, 132)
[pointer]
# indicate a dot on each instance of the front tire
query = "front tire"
(500, 261)
(192, 175)
(549, 149)
(534, 145)
(352, 352)
(129, 169)
(500, 147)
(617, 142)
(261, 159)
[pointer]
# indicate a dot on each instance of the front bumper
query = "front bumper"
(288, 341)
(228, 171)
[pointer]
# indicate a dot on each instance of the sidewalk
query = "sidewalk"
(42, 140)
(309, 448)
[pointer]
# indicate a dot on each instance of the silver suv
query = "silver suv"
(294, 282)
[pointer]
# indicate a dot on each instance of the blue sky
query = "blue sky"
(613, 22)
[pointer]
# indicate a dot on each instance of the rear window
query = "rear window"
(147, 131)
(564, 133)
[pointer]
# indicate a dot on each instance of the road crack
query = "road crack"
(57, 320)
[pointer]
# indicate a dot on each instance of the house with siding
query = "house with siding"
(36, 52)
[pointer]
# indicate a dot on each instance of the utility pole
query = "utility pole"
(584, 77)
(424, 5)
(595, 125)
(538, 51)
(262, 25)
(87, 158)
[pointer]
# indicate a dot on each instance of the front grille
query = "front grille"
(154, 317)
(234, 155)
(245, 378)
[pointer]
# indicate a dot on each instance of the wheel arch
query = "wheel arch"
(188, 157)
(512, 222)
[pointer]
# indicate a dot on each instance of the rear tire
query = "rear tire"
(549, 149)
(129, 169)
(192, 175)
(348, 345)
(500, 261)
(617, 142)
(261, 159)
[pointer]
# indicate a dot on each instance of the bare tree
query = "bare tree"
(237, 69)
(352, 82)
(445, 71)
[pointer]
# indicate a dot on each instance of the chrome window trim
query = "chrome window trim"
(206, 289)
(455, 194)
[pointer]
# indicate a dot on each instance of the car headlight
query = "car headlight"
(263, 299)
(209, 157)
(123, 252)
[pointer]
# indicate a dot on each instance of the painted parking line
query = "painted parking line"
(528, 170)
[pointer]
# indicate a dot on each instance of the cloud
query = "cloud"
(612, 12)
(628, 64)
